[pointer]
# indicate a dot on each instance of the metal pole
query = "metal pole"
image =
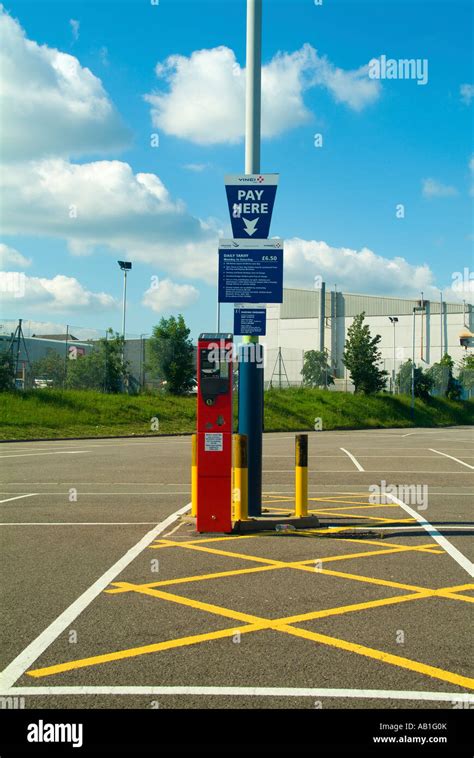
(394, 357)
(66, 356)
(422, 320)
(253, 87)
(218, 318)
(124, 301)
(440, 324)
(19, 330)
(251, 371)
(413, 370)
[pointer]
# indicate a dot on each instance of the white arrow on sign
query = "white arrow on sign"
(250, 226)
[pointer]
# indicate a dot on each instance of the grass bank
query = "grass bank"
(73, 413)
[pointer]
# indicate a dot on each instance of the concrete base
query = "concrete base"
(268, 523)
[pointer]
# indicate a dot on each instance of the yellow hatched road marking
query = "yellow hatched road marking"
(121, 587)
(143, 650)
(379, 519)
(357, 507)
(126, 586)
(378, 655)
(214, 551)
(256, 623)
(340, 610)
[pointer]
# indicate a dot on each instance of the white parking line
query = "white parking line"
(18, 666)
(112, 494)
(56, 452)
(18, 497)
(468, 465)
(453, 697)
(461, 559)
(77, 523)
(397, 528)
(354, 460)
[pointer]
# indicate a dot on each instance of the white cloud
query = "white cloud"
(74, 24)
(10, 258)
(353, 270)
(467, 93)
(61, 293)
(196, 167)
(434, 188)
(167, 295)
(353, 88)
(206, 98)
(50, 104)
(34, 328)
(104, 203)
(104, 55)
(462, 287)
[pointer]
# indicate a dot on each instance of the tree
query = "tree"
(423, 381)
(466, 372)
(102, 369)
(171, 354)
(50, 366)
(443, 380)
(362, 356)
(316, 370)
(7, 371)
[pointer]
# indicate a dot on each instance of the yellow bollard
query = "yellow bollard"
(241, 482)
(301, 475)
(194, 476)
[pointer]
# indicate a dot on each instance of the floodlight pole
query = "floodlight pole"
(253, 87)
(441, 324)
(124, 301)
(413, 369)
(251, 368)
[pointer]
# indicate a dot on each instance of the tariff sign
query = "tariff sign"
(251, 271)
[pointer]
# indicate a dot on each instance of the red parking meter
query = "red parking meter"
(214, 431)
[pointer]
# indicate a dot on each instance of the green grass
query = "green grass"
(73, 413)
(297, 409)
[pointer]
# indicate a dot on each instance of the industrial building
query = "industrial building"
(317, 319)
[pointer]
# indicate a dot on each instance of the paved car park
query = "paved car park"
(111, 599)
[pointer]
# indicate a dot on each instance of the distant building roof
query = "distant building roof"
(58, 337)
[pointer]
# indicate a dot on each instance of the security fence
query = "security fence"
(46, 355)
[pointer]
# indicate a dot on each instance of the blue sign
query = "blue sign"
(251, 271)
(250, 321)
(250, 198)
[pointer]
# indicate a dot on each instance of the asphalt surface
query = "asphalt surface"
(373, 610)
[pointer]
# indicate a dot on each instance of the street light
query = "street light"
(125, 266)
(394, 321)
(142, 359)
(415, 309)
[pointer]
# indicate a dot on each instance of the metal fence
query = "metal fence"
(34, 341)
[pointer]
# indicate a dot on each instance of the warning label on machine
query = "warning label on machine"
(214, 443)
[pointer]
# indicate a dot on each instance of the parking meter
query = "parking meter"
(214, 432)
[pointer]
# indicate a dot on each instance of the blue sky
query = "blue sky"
(84, 139)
